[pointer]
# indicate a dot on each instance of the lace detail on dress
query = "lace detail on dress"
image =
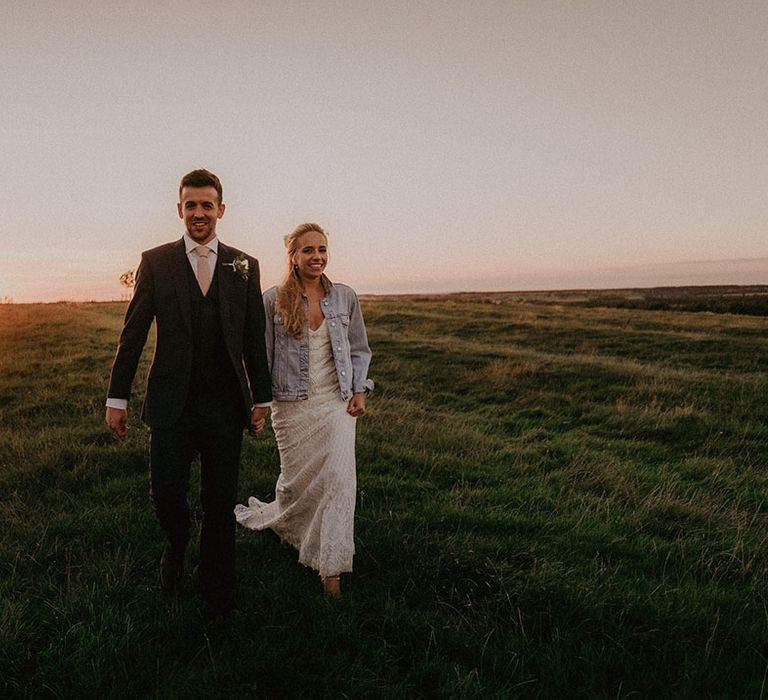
(314, 504)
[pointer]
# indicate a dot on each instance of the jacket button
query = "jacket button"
(343, 373)
(333, 323)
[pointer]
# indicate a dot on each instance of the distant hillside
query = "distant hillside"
(750, 300)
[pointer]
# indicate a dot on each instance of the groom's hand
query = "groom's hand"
(117, 420)
(258, 419)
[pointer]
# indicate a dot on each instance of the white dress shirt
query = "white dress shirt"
(212, 245)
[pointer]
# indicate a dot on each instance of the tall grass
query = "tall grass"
(553, 502)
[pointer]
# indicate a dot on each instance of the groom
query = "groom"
(208, 381)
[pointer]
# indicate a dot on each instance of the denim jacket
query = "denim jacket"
(288, 357)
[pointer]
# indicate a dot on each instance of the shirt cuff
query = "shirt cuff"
(261, 405)
(117, 403)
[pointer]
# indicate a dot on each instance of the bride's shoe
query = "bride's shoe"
(331, 586)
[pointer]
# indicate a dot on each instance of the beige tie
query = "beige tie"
(203, 268)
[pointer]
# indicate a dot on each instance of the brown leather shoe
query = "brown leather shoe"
(171, 567)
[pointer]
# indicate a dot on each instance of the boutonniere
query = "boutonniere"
(240, 265)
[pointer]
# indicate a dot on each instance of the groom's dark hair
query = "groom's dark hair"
(201, 178)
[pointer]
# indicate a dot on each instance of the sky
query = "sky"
(445, 146)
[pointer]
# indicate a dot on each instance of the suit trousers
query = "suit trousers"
(172, 451)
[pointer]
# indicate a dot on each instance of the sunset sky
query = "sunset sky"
(445, 146)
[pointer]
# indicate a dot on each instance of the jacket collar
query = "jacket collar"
(177, 265)
(227, 280)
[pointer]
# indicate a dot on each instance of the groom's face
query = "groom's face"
(200, 208)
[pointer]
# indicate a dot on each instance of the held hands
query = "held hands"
(356, 405)
(258, 419)
(117, 420)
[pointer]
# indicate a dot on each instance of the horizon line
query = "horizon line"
(497, 292)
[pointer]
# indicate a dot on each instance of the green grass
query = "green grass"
(554, 501)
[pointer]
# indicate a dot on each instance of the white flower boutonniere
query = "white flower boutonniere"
(240, 265)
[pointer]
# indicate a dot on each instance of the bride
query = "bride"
(318, 356)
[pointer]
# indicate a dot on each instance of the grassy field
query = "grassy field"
(736, 299)
(555, 501)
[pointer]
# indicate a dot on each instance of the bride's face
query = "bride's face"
(311, 256)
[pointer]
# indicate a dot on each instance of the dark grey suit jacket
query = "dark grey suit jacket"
(162, 294)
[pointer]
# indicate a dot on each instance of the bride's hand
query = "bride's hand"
(356, 405)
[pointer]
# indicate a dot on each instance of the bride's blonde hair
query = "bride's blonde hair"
(290, 303)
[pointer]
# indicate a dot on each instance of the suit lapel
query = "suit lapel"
(226, 283)
(177, 265)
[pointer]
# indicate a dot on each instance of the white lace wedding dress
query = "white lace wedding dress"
(314, 504)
